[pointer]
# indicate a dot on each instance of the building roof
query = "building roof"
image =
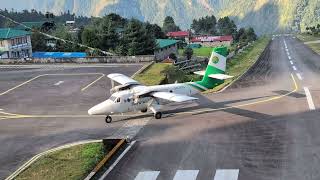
(178, 34)
(8, 33)
(162, 43)
(211, 38)
(30, 25)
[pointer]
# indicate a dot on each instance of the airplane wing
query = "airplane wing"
(172, 97)
(122, 79)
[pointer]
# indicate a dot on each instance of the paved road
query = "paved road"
(270, 132)
(59, 95)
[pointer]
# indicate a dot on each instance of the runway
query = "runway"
(263, 127)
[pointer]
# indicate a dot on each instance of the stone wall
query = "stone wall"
(105, 59)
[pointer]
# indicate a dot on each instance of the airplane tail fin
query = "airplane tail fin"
(215, 71)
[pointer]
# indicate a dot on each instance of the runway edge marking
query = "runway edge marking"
(117, 161)
(309, 98)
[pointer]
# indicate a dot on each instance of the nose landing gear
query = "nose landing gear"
(108, 119)
(158, 115)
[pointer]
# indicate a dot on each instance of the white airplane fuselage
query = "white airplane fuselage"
(124, 101)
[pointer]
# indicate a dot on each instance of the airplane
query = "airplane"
(132, 96)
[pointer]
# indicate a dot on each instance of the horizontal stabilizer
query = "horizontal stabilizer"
(201, 73)
(173, 97)
(220, 76)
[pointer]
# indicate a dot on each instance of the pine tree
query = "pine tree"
(137, 41)
(169, 25)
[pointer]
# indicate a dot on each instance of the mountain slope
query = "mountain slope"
(266, 16)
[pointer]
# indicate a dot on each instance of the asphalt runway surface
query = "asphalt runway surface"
(263, 127)
(58, 94)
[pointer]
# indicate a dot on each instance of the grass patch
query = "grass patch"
(308, 37)
(153, 75)
(315, 47)
(71, 163)
(203, 51)
(241, 62)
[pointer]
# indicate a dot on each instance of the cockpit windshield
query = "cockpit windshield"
(113, 98)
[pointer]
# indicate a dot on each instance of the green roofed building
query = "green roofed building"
(165, 47)
(15, 43)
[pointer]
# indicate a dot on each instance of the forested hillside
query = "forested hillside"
(265, 16)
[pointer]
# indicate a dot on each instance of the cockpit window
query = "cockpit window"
(113, 98)
(118, 100)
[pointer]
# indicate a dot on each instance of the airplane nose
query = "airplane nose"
(92, 111)
(100, 109)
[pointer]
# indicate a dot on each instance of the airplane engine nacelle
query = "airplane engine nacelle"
(119, 88)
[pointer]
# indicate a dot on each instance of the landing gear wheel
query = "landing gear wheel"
(158, 115)
(144, 110)
(108, 119)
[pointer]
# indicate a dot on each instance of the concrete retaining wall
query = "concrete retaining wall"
(106, 59)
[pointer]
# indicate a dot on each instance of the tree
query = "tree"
(226, 26)
(188, 52)
(137, 40)
(251, 35)
(169, 25)
(240, 35)
(155, 30)
(108, 36)
(206, 25)
(173, 56)
(89, 37)
(38, 42)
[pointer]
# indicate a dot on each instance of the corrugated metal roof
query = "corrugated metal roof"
(162, 43)
(8, 33)
(59, 55)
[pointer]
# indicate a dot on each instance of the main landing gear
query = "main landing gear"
(108, 119)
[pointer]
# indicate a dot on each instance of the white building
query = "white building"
(15, 43)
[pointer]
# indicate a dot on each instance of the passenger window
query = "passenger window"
(128, 100)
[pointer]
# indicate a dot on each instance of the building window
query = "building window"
(12, 42)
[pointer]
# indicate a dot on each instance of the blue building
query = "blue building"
(55, 55)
